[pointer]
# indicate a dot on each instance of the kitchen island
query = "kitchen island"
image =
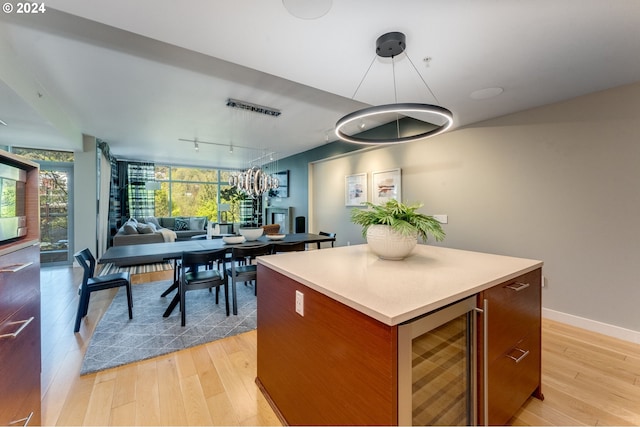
(328, 324)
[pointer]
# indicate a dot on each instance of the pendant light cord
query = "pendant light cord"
(423, 81)
(395, 93)
(364, 77)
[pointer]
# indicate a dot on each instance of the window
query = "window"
(188, 191)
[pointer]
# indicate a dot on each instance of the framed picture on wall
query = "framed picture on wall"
(283, 188)
(355, 189)
(386, 185)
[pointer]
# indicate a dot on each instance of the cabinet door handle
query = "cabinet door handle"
(518, 286)
(20, 329)
(24, 421)
(523, 354)
(14, 268)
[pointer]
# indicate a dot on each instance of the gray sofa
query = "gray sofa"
(195, 225)
(157, 230)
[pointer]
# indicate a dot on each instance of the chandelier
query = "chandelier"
(390, 45)
(253, 181)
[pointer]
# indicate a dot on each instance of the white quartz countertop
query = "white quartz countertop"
(396, 291)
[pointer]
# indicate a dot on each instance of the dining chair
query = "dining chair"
(288, 247)
(271, 228)
(193, 277)
(243, 270)
(324, 233)
(92, 284)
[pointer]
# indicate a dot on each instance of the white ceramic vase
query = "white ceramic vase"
(389, 244)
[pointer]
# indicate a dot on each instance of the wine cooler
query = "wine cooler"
(436, 367)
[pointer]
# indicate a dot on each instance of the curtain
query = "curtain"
(105, 169)
(114, 200)
(141, 202)
(104, 185)
(123, 194)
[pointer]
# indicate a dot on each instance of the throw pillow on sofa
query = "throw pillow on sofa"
(182, 224)
(197, 223)
(130, 227)
(145, 228)
(152, 220)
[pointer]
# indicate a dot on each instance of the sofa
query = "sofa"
(150, 229)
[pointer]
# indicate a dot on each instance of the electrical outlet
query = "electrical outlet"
(300, 303)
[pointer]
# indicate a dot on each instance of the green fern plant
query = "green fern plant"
(401, 217)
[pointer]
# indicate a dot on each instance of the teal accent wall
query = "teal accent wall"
(298, 166)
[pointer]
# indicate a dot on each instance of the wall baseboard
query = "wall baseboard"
(593, 325)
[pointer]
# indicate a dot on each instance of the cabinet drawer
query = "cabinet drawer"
(513, 377)
(513, 312)
(20, 367)
(19, 280)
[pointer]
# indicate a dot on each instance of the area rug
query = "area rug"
(110, 268)
(118, 340)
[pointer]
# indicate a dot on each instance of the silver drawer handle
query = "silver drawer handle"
(24, 421)
(14, 268)
(518, 286)
(20, 329)
(524, 354)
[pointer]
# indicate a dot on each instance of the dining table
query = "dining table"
(149, 253)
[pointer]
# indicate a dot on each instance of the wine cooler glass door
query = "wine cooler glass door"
(436, 367)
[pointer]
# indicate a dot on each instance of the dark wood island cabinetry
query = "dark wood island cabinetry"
(513, 347)
(331, 328)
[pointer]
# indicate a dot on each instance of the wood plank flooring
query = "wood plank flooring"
(588, 379)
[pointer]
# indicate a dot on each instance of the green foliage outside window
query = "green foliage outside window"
(194, 192)
(44, 155)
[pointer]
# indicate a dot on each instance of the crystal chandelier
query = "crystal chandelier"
(254, 181)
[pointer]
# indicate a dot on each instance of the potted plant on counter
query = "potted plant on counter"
(392, 228)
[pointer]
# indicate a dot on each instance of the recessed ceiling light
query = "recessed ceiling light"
(486, 93)
(307, 9)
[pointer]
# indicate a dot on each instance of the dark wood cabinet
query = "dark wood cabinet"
(20, 336)
(20, 314)
(401, 342)
(510, 352)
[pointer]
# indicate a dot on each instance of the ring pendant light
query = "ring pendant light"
(390, 45)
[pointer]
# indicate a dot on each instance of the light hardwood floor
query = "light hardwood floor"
(588, 379)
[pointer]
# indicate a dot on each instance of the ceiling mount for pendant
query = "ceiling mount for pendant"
(391, 44)
(424, 120)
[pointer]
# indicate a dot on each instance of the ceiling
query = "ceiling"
(144, 74)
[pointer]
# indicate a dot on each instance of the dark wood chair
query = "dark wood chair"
(242, 269)
(271, 228)
(288, 247)
(324, 233)
(193, 277)
(92, 284)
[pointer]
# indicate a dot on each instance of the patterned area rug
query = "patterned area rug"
(109, 268)
(118, 340)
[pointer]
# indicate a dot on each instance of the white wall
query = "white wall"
(560, 183)
(85, 196)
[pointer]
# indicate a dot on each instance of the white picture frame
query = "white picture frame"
(355, 190)
(386, 185)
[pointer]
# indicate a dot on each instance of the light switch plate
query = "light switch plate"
(443, 219)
